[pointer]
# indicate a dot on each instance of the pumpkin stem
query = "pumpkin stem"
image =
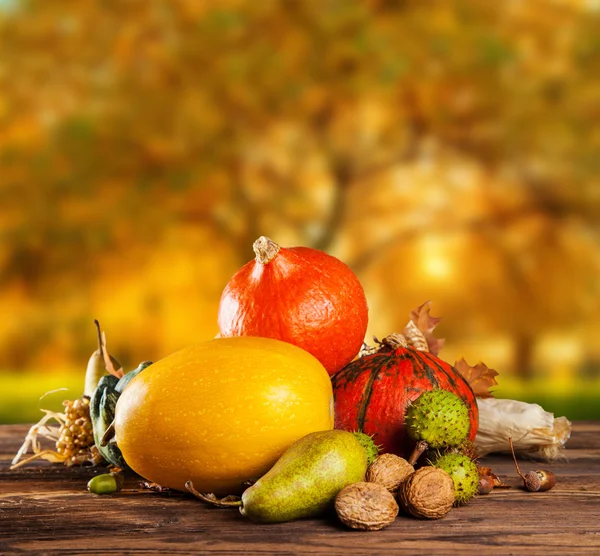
(411, 337)
(227, 502)
(419, 449)
(390, 342)
(395, 341)
(265, 249)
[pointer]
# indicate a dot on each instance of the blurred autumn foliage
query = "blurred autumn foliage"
(444, 150)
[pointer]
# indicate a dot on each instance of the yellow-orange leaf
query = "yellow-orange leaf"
(480, 377)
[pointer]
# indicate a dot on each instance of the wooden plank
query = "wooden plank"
(45, 508)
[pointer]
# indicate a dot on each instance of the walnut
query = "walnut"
(389, 470)
(366, 506)
(428, 493)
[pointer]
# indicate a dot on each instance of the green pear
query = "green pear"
(307, 477)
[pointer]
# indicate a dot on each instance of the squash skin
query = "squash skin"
(372, 394)
(221, 412)
(302, 296)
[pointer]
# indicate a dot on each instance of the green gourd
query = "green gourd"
(102, 412)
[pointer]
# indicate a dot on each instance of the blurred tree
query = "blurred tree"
(445, 150)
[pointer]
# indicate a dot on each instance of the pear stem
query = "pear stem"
(95, 367)
(100, 343)
(418, 451)
(209, 498)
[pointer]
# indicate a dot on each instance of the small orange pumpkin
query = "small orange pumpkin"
(299, 295)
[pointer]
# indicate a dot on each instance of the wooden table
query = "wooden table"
(46, 509)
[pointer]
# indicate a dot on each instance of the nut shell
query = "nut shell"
(389, 470)
(366, 506)
(428, 493)
(486, 484)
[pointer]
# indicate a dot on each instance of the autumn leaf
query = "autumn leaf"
(480, 377)
(108, 360)
(496, 481)
(421, 318)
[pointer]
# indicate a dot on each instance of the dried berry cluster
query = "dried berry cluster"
(76, 437)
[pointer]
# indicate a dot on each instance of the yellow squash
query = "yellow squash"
(221, 412)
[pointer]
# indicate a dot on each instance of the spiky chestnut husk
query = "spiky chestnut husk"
(466, 448)
(438, 417)
(464, 473)
(370, 448)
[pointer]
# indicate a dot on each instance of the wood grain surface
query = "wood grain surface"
(46, 509)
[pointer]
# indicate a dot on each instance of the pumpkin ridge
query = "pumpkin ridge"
(452, 377)
(368, 391)
(346, 375)
(420, 369)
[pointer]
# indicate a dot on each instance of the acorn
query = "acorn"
(106, 483)
(534, 481)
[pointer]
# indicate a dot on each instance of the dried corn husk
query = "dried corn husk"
(535, 433)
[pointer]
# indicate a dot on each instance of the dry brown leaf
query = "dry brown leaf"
(155, 487)
(426, 323)
(487, 471)
(480, 377)
(108, 361)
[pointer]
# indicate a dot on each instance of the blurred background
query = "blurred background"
(446, 151)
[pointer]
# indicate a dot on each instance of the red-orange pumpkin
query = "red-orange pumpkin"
(299, 295)
(372, 393)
